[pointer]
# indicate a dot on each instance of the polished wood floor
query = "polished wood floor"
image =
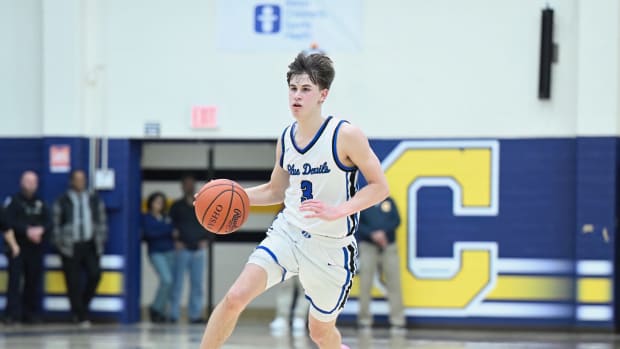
(255, 334)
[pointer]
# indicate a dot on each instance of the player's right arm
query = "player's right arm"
(272, 192)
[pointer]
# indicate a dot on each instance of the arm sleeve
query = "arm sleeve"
(12, 214)
(393, 220)
(3, 224)
(366, 225)
(173, 214)
(48, 219)
(47, 222)
(153, 229)
(56, 222)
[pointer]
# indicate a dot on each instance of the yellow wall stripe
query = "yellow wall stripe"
(272, 209)
(111, 283)
(517, 288)
(55, 282)
(4, 281)
(594, 290)
(544, 288)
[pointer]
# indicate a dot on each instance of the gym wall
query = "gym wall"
(509, 201)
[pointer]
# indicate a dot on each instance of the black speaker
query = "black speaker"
(546, 54)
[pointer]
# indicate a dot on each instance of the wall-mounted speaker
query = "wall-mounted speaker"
(546, 54)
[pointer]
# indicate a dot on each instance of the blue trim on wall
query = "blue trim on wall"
(123, 206)
(123, 203)
(549, 189)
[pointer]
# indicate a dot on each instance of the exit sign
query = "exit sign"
(204, 116)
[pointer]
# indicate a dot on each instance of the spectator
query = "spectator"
(191, 254)
(377, 237)
(284, 306)
(157, 231)
(29, 222)
(80, 233)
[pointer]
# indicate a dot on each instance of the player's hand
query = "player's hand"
(318, 209)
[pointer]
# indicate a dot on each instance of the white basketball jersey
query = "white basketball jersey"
(315, 172)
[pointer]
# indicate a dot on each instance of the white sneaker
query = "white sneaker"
(278, 326)
(299, 326)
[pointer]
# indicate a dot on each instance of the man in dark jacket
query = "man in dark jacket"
(80, 233)
(28, 218)
(191, 243)
(377, 237)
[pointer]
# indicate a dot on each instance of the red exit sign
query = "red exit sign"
(204, 116)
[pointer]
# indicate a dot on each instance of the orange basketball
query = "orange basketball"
(222, 206)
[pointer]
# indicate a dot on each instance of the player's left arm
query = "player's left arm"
(353, 150)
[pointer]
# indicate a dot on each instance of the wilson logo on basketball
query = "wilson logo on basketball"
(215, 215)
(234, 221)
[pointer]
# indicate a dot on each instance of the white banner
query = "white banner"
(285, 25)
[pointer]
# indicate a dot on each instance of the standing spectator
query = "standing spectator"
(80, 232)
(284, 306)
(29, 222)
(157, 231)
(191, 254)
(377, 237)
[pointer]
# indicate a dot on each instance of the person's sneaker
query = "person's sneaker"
(299, 326)
(84, 324)
(278, 326)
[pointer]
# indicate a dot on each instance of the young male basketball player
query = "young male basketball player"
(315, 175)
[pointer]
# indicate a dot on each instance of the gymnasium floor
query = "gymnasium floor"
(253, 334)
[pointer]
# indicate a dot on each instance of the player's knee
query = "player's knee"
(320, 332)
(236, 299)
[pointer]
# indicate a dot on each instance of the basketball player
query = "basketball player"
(315, 175)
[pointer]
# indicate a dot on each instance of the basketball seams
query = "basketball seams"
(210, 187)
(232, 195)
(218, 198)
(246, 213)
(211, 204)
(243, 198)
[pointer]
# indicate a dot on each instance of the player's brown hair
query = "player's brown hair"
(319, 67)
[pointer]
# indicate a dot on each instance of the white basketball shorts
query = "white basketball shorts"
(325, 266)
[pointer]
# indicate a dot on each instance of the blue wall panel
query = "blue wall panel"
(554, 229)
(596, 202)
(123, 209)
(536, 206)
(547, 269)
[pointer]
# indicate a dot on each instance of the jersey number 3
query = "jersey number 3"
(306, 190)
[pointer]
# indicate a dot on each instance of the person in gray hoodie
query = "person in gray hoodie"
(79, 234)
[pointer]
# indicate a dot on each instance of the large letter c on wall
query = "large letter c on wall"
(470, 169)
